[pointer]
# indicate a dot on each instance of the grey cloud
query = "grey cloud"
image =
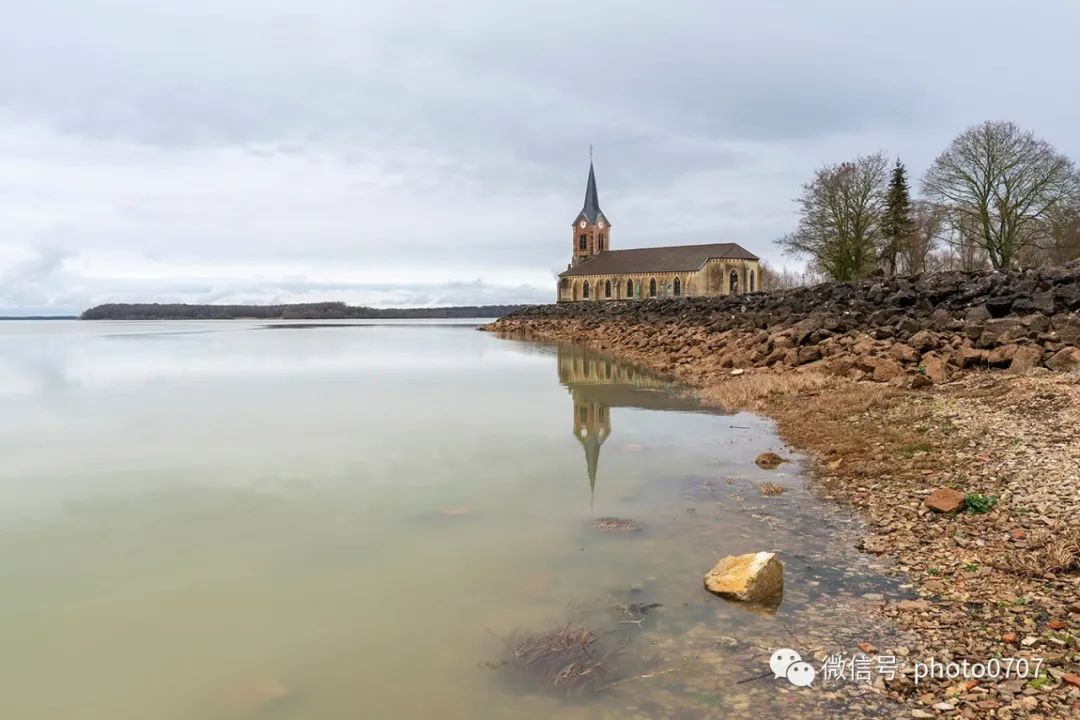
(455, 134)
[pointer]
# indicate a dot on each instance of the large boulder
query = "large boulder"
(754, 578)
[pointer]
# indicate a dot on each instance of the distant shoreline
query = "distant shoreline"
(39, 317)
(295, 311)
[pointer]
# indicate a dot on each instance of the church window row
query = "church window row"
(607, 289)
(610, 288)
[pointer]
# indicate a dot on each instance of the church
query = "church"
(596, 272)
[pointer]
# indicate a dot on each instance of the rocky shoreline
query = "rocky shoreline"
(898, 387)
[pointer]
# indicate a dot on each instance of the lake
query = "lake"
(323, 520)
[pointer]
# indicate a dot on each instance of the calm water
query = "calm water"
(229, 519)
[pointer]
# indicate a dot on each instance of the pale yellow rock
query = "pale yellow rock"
(754, 578)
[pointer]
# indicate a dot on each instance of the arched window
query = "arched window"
(734, 282)
(600, 242)
(629, 289)
(751, 281)
(607, 288)
(585, 290)
(581, 242)
(652, 287)
(676, 287)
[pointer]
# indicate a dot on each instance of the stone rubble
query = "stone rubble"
(884, 382)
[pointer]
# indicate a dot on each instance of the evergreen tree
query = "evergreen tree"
(897, 226)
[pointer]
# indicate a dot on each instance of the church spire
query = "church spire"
(591, 209)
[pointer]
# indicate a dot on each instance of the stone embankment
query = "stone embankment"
(966, 480)
(917, 329)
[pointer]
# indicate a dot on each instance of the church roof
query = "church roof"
(591, 208)
(679, 258)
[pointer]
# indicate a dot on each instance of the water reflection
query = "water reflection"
(597, 384)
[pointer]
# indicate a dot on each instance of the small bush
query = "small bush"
(978, 503)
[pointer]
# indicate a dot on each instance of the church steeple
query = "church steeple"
(591, 229)
(591, 209)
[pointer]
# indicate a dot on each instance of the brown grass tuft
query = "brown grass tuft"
(750, 390)
(564, 660)
(769, 489)
(1048, 552)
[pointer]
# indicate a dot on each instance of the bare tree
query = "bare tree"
(840, 212)
(915, 252)
(1000, 185)
(784, 279)
(1064, 234)
(963, 252)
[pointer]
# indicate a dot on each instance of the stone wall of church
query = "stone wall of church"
(715, 278)
(717, 275)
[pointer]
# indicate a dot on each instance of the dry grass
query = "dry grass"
(615, 524)
(633, 613)
(769, 489)
(1048, 552)
(565, 660)
(750, 390)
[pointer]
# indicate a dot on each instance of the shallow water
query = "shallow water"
(233, 519)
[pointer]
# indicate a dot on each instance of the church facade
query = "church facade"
(596, 272)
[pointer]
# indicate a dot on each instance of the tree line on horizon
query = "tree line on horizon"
(997, 197)
(293, 311)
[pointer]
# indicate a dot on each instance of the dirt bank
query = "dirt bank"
(1004, 583)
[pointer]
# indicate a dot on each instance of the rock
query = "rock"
(1067, 328)
(754, 578)
(738, 371)
(904, 353)
(921, 714)
(968, 357)
(1000, 331)
(934, 368)
(1071, 679)
(874, 544)
(885, 370)
(945, 500)
(768, 460)
(913, 605)
(1064, 360)
(974, 321)
(1025, 358)
(1037, 323)
(1002, 354)
(923, 340)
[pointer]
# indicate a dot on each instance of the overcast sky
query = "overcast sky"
(405, 153)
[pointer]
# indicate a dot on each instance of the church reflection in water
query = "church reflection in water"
(596, 385)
